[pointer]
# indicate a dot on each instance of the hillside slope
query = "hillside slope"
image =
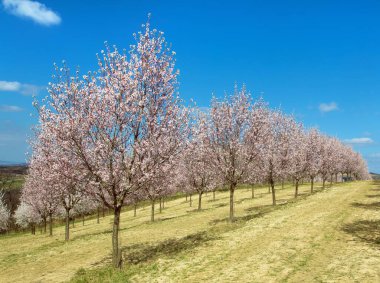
(328, 236)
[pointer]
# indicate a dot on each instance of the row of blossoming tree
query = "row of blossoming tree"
(121, 134)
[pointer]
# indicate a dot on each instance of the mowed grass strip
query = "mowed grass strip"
(307, 238)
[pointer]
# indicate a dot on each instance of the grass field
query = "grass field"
(330, 236)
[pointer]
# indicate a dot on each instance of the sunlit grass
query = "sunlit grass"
(264, 244)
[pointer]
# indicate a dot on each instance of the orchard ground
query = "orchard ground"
(330, 236)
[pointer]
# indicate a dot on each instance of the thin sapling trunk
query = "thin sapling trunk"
(116, 252)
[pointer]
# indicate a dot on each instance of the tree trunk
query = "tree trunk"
(67, 227)
(82, 219)
(152, 212)
(50, 224)
(213, 195)
(232, 190)
(253, 191)
(324, 183)
(191, 202)
(134, 210)
(200, 201)
(312, 184)
(282, 184)
(160, 205)
(103, 211)
(331, 180)
(273, 194)
(33, 229)
(45, 224)
(163, 203)
(296, 191)
(98, 216)
(269, 185)
(116, 252)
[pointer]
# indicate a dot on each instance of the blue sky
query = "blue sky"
(319, 60)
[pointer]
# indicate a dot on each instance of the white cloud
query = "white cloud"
(10, 108)
(26, 89)
(359, 141)
(328, 107)
(9, 86)
(33, 10)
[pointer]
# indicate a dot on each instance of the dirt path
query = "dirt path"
(312, 240)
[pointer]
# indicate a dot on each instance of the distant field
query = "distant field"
(331, 236)
(16, 183)
(12, 177)
(11, 182)
(13, 169)
(375, 176)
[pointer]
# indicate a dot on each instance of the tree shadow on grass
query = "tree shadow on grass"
(254, 212)
(371, 206)
(300, 195)
(365, 230)
(237, 220)
(250, 216)
(373, 196)
(220, 205)
(261, 208)
(159, 218)
(145, 252)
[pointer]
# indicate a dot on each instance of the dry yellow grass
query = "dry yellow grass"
(325, 237)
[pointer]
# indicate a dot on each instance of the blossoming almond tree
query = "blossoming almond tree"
(313, 155)
(297, 154)
(85, 206)
(62, 168)
(275, 153)
(237, 131)
(256, 174)
(328, 154)
(26, 216)
(39, 192)
(121, 125)
(157, 187)
(361, 169)
(45, 181)
(4, 215)
(195, 164)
